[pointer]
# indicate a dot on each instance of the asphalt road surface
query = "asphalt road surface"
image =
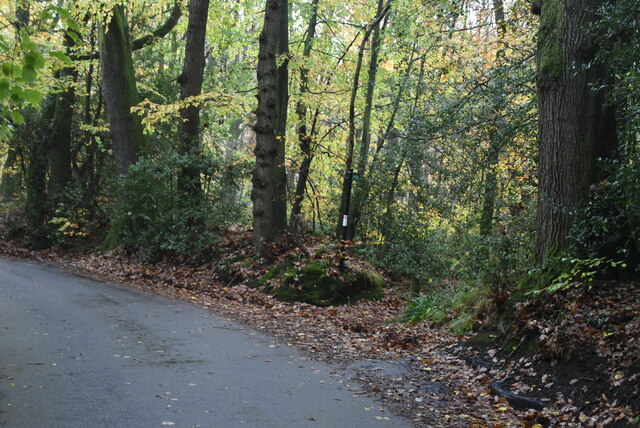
(81, 353)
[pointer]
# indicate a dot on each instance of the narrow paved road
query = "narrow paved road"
(81, 353)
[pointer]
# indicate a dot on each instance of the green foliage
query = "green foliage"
(74, 218)
(578, 273)
(601, 227)
(457, 308)
(158, 221)
(611, 220)
(412, 248)
(495, 262)
(423, 307)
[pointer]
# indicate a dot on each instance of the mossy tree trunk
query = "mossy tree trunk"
(120, 92)
(575, 126)
(38, 146)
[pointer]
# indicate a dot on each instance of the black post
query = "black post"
(345, 218)
(345, 214)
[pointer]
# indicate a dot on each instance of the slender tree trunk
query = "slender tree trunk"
(267, 179)
(387, 218)
(280, 173)
(352, 115)
(305, 137)
(490, 184)
(365, 140)
(493, 154)
(120, 92)
(575, 127)
(190, 86)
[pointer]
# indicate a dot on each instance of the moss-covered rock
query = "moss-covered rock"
(312, 284)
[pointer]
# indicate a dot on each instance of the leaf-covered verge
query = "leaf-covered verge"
(578, 356)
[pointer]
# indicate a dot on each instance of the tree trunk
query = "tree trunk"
(493, 154)
(120, 92)
(269, 150)
(387, 218)
(490, 184)
(575, 127)
(190, 86)
(280, 173)
(10, 184)
(305, 136)
(60, 160)
(365, 139)
(352, 116)
(36, 181)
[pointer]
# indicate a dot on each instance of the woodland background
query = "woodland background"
(485, 152)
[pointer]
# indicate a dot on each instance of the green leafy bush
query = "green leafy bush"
(156, 220)
(602, 228)
(579, 273)
(75, 217)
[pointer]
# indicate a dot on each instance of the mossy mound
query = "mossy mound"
(311, 283)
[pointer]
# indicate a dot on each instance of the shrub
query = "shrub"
(156, 220)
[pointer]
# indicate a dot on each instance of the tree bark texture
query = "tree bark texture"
(120, 92)
(267, 179)
(575, 127)
(191, 86)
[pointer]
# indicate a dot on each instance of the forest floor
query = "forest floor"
(579, 368)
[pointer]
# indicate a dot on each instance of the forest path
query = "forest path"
(76, 352)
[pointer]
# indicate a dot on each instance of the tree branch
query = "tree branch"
(147, 39)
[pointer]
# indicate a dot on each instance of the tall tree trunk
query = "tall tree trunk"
(190, 86)
(280, 173)
(305, 136)
(352, 116)
(269, 219)
(575, 127)
(120, 92)
(38, 147)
